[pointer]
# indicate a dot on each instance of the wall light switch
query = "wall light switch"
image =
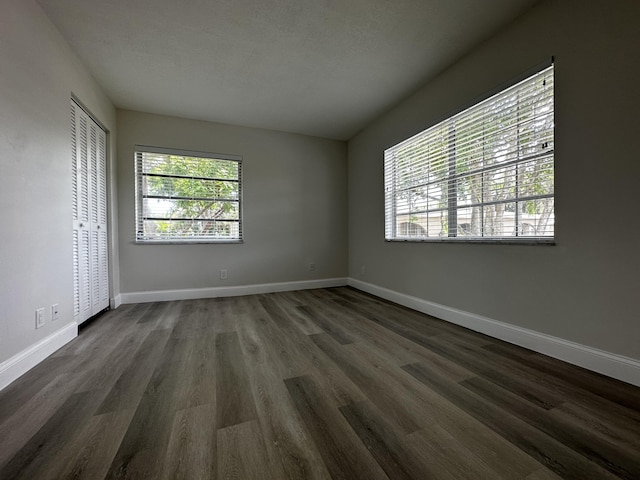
(40, 317)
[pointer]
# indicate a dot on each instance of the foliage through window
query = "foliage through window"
(184, 196)
(486, 173)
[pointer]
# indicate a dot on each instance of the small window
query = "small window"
(485, 174)
(184, 196)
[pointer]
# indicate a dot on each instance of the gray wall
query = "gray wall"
(294, 192)
(39, 74)
(585, 288)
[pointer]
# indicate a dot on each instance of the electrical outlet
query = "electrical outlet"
(223, 274)
(55, 313)
(40, 317)
(312, 267)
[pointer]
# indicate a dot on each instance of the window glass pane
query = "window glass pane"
(468, 222)
(469, 189)
(195, 188)
(499, 184)
(413, 226)
(187, 229)
(190, 209)
(536, 177)
(499, 220)
(441, 221)
(537, 217)
(190, 166)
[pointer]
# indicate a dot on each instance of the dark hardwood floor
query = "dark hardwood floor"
(319, 384)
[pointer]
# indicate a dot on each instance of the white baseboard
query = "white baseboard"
(25, 360)
(213, 292)
(115, 302)
(607, 363)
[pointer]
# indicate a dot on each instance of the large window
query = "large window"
(184, 196)
(485, 174)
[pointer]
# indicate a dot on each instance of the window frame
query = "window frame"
(142, 238)
(393, 170)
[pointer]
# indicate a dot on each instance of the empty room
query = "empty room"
(330, 239)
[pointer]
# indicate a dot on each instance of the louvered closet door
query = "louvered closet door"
(90, 262)
(101, 200)
(81, 228)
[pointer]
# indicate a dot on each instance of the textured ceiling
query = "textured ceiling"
(319, 67)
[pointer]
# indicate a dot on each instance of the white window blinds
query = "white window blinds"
(184, 196)
(486, 173)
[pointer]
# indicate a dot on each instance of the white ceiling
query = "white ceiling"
(319, 67)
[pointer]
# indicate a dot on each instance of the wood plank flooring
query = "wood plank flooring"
(316, 384)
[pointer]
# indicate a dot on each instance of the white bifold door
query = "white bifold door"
(90, 248)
